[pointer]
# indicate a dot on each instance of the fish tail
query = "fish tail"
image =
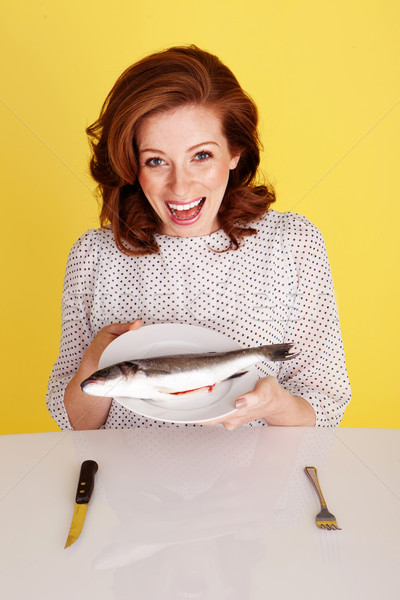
(277, 352)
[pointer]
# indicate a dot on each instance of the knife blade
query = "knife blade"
(83, 495)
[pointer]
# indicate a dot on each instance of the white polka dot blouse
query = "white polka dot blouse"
(277, 287)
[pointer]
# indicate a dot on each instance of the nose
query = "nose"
(179, 182)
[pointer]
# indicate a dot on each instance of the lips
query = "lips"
(185, 213)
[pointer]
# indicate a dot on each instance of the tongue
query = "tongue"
(187, 214)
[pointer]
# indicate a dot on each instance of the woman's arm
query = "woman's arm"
(313, 388)
(76, 329)
(80, 348)
(90, 412)
(319, 373)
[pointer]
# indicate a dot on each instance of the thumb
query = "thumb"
(262, 390)
(134, 325)
(241, 402)
(247, 400)
(120, 328)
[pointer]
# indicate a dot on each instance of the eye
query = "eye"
(156, 161)
(203, 155)
(102, 373)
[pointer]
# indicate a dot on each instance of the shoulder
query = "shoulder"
(293, 230)
(287, 222)
(85, 254)
(91, 242)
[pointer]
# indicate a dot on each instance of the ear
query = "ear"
(234, 162)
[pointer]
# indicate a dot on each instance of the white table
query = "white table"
(201, 513)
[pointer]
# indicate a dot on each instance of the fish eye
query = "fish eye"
(102, 372)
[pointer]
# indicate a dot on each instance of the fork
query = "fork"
(324, 519)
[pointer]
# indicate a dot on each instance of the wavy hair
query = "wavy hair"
(157, 83)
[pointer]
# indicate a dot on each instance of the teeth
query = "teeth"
(185, 206)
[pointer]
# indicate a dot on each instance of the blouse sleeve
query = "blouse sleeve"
(319, 373)
(76, 332)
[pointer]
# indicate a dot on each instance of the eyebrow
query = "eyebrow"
(188, 150)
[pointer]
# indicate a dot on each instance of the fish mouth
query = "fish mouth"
(185, 213)
(91, 383)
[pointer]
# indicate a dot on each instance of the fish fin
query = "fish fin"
(277, 352)
(236, 375)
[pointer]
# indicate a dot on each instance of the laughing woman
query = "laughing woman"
(187, 236)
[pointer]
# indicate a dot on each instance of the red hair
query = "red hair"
(157, 83)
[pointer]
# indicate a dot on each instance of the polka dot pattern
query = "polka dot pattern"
(275, 288)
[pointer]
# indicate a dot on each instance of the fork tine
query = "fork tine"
(328, 526)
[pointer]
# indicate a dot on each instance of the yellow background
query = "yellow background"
(325, 76)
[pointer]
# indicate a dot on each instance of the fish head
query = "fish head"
(107, 382)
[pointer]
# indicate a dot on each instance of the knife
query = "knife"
(83, 494)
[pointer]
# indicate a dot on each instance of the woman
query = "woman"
(187, 236)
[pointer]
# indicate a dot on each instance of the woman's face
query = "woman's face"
(184, 165)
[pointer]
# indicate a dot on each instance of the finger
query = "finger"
(120, 328)
(230, 426)
(254, 397)
(241, 402)
(208, 423)
(247, 400)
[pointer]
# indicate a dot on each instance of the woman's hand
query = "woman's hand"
(106, 335)
(271, 402)
(90, 412)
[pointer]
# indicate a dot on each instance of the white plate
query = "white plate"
(158, 340)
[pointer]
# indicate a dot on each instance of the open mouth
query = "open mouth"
(185, 213)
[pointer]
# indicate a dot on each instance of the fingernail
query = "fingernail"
(240, 403)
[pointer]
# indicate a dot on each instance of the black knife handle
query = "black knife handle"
(86, 481)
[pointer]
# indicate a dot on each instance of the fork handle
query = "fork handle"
(311, 473)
